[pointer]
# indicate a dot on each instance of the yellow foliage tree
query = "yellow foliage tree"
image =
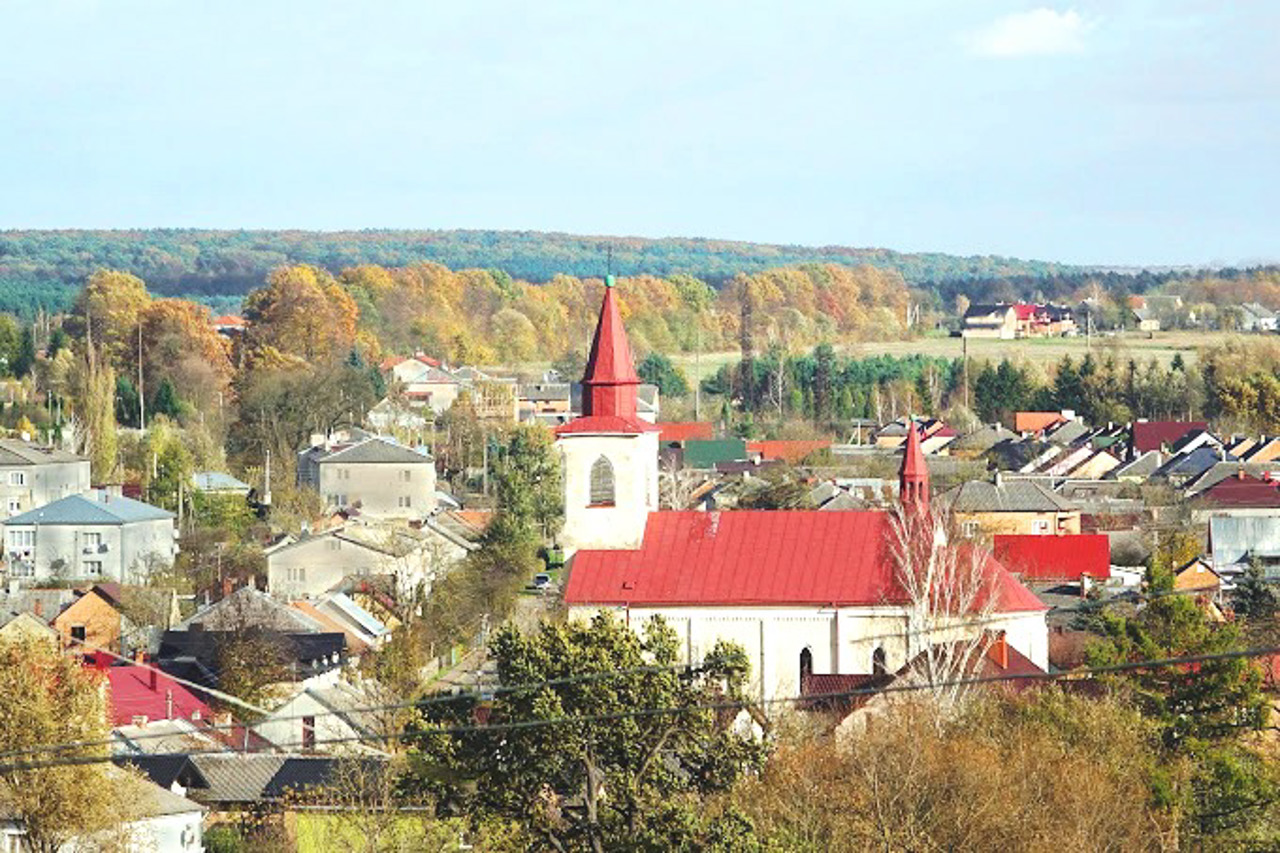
(303, 312)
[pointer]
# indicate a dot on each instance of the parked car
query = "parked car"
(542, 582)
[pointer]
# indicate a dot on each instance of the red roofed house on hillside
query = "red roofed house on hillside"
(1055, 558)
(803, 592)
(792, 452)
(1036, 422)
(680, 432)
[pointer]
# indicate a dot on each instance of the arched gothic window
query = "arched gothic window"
(806, 662)
(878, 665)
(602, 482)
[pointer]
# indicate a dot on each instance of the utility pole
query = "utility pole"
(697, 371)
(142, 396)
(964, 346)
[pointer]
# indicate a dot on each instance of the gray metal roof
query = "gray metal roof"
(14, 451)
(1009, 496)
(1144, 466)
(235, 778)
(92, 508)
(376, 450)
(1233, 539)
(1067, 433)
(983, 438)
(218, 481)
(247, 607)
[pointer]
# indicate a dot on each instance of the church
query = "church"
(803, 592)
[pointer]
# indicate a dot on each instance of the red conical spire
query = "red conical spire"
(609, 383)
(913, 479)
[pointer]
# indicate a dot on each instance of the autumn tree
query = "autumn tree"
(601, 780)
(95, 386)
(108, 311)
(302, 314)
(46, 698)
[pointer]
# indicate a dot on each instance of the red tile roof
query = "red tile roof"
(686, 430)
(1035, 421)
(757, 557)
(229, 320)
(1152, 435)
(130, 695)
(592, 424)
(1243, 490)
(1024, 310)
(1055, 557)
(787, 451)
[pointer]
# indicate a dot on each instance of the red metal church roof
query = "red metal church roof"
(757, 558)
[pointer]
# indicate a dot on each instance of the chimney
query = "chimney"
(1085, 583)
(168, 702)
(151, 679)
(139, 656)
(226, 587)
(38, 608)
(999, 479)
(1002, 650)
(101, 661)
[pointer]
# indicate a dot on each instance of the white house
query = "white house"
(803, 592)
(32, 476)
(317, 563)
(375, 475)
(95, 536)
(326, 719)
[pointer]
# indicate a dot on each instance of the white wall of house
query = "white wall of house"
(119, 552)
(316, 565)
(288, 733)
(635, 471)
(381, 489)
(842, 640)
(170, 833)
(24, 487)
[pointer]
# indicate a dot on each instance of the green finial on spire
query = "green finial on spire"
(608, 281)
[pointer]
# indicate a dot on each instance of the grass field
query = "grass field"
(1143, 346)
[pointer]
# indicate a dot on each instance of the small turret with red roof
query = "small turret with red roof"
(913, 478)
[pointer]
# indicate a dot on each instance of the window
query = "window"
(296, 575)
(77, 633)
(21, 569)
(969, 529)
(20, 540)
(335, 544)
(878, 665)
(1040, 526)
(344, 473)
(806, 662)
(92, 540)
(406, 475)
(341, 500)
(404, 501)
(17, 478)
(602, 482)
(93, 568)
(15, 506)
(308, 733)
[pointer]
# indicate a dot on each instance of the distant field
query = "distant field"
(1143, 346)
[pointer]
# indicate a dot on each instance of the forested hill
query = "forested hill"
(44, 267)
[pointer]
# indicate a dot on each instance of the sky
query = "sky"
(1125, 132)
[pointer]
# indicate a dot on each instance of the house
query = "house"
(161, 821)
(32, 475)
(1197, 575)
(978, 442)
(314, 564)
(338, 611)
(1055, 558)
(26, 627)
(375, 475)
(311, 658)
(425, 382)
(673, 432)
(1242, 494)
(1036, 423)
(1157, 435)
(396, 416)
(791, 452)
(138, 693)
(94, 536)
(1257, 318)
(990, 321)
(803, 592)
(1139, 470)
(115, 617)
(1011, 506)
(1187, 467)
(1094, 467)
(328, 719)
(1146, 319)
(1235, 540)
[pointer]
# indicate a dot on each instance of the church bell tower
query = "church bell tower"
(610, 455)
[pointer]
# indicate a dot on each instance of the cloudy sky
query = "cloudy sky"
(1099, 131)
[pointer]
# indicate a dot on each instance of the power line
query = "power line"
(481, 695)
(1073, 675)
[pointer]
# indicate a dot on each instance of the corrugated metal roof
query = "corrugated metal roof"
(1235, 539)
(1055, 557)
(756, 557)
(685, 430)
(17, 452)
(1009, 496)
(93, 508)
(376, 450)
(1242, 490)
(218, 481)
(707, 454)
